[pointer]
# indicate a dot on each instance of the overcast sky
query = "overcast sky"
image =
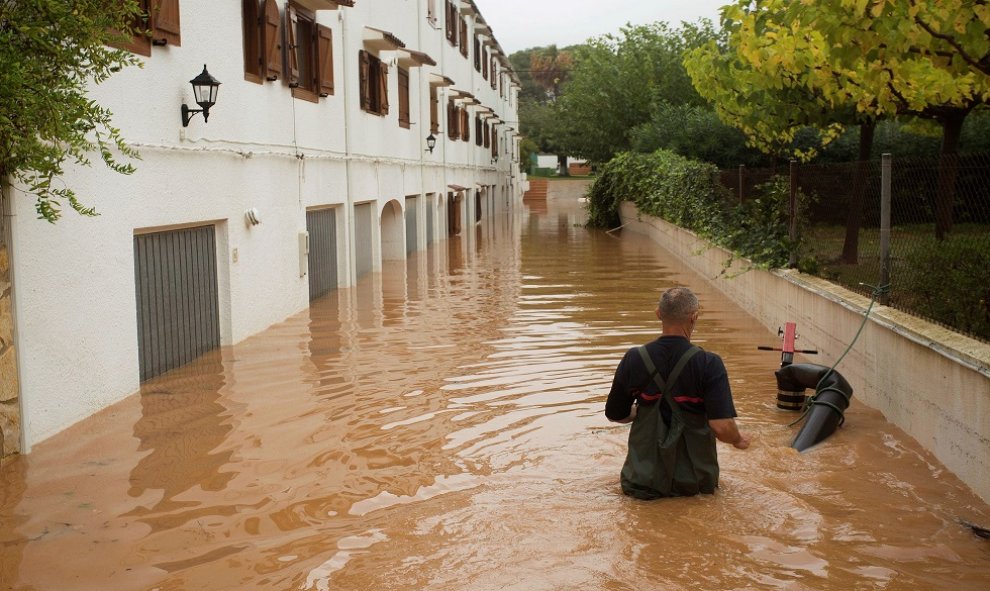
(521, 24)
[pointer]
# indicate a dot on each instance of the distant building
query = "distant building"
(312, 169)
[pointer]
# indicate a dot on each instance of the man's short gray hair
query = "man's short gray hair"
(677, 304)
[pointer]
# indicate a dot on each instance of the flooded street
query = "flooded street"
(440, 427)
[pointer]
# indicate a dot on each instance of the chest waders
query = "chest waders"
(669, 460)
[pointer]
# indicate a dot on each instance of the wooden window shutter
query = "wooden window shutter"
(291, 59)
(139, 41)
(324, 61)
(450, 16)
(477, 53)
(465, 126)
(434, 110)
(487, 137)
(253, 40)
(272, 45)
(165, 23)
(452, 119)
(364, 62)
(494, 142)
(404, 98)
(464, 37)
(494, 70)
(484, 63)
(382, 89)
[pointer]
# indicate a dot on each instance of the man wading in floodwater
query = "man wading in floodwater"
(678, 400)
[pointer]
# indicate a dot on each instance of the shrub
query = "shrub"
(687, 193)
(951, 284)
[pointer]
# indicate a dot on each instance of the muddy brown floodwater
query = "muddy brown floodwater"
(439, 427)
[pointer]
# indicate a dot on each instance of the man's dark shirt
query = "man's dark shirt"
(702, 388)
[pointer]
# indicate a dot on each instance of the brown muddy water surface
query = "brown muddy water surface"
(440, 427)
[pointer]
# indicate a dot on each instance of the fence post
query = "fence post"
(884, 225)
(792, 216)
(742, 173)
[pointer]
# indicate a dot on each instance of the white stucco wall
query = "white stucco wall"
(75, 308)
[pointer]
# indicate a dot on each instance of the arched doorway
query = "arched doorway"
(393, 232)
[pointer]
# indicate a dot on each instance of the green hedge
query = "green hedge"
(951, 284)
(687, 193)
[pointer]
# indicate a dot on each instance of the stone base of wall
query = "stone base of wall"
(10, 414)
(927, 380)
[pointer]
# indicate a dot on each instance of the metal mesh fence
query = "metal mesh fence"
(937, 264)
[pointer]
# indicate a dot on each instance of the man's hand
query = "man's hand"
(631, 417)
(726, 431)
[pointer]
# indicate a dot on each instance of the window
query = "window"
(465, 125)
(464, 37)
(494, 142)
(309, 55)
(450, 22)
(158, 24)
(477, 130)
(488, 141)
(373, 83)
(477, 53)
(494, 70)
(262, 40)
(404, 98)
(434, 110)
(253, 33)
(453, 120)
(484, 62)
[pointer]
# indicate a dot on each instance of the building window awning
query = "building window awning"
(380, 40)
(468, 7)
(482, 27)
(439, 80)
(315, 5)
(457, 187)
(410, 58)
(454, 93)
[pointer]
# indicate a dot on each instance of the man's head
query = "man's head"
(678, 306)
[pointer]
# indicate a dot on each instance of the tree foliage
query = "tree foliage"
(616, 80)
(826, 63)
(50, 52)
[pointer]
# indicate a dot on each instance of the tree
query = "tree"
(923, 58)
(549, 68)
(770, 82)
(616, 80)
(542, 71)
(854, 62)
(50, 52)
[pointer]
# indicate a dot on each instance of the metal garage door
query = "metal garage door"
(322, 227)
(411, 225)
(175, 274)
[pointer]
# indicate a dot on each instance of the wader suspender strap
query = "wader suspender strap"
(674, 373)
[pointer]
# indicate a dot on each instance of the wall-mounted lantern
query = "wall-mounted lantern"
(205, 89)
(431, 142)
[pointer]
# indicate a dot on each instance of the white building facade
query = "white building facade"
(312, 169)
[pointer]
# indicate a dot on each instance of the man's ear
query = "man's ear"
(657, 312)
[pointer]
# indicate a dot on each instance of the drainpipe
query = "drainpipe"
(348, 172)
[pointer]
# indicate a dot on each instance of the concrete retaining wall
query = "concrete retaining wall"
(927, 380)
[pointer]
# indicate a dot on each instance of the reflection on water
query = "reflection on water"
(439, 426)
